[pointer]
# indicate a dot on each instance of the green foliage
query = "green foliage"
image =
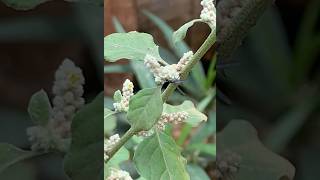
(196, 172)
(109, 121)
(195, 117)
(10, 155)
(132, 45)
(257, 162)
(145, 108)
(84, 159)
(159, 158)
(39, 108)
(114, 162)
(181, 33)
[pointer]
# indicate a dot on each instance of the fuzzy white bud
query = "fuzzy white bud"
(208, 14)
(184, 60)
(117, 174)
(227, 165)
(127, 93)
(109, 144)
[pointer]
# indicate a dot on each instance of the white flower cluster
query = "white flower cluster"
(168, 73)
(109, 144)
(117, 174)
(173, 118)
(68, 91)
(208, 14)
(127, 93)
(227, 165)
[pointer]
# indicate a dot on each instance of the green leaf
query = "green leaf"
(196, 172)
(85, 158)
(132, 46)
(181, 33)
(109, 121)
(159, 158)
(144, 76)
(206, 130)
(117, 96)
(39, 108)
(10, 155)
(257, 162)
(195, 117)
(114, 162)
(145, 108)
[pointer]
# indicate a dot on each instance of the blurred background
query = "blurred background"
(273, 82)
(33, 44)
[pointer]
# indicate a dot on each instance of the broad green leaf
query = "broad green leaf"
(132, 46)
(145, 108)
(194, 116)
(109, 121)
(10, 155)
(257, 162)
(84, 160)
(144, 76)
(114, 162)
(39, 108)
(196, 172)
(181, 33)
(159, 158)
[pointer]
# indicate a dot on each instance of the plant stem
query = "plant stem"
(209, 42)
(187, 69)
(121, 142)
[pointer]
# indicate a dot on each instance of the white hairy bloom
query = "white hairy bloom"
(127, 93)
(68, 91)
(208, 14)
(109, 144)
(173, 118)
(117, 174)
(227, 165)
(184, 60)
(162, 74)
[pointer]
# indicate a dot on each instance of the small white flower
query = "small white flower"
(162, 74)
(127, 93)
(184, 60)
(109, 144)
(208, 14)
(117, 174)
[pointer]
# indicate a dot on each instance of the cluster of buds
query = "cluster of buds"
(227, 165)
(228, 9)
(117, 174)
(68, 91)
(208, 13)
(168, 73)
(127, 93)
(173, 118)
(109, 144)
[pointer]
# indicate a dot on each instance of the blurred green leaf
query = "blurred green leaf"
(39, 108)
(123, 68)
(205, 148)
(109, 121)
(206, 130)
(114, 162)
(196, 172)
(181, 33)
(257, 162)
(10, 155)
(84, 159)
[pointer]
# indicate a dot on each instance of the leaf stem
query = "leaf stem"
(131, 132)
(209, 42)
